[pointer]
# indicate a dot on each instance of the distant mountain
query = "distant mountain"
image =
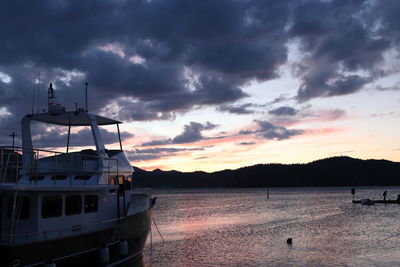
(335, 171)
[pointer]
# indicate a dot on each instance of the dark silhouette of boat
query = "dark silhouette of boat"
(73, 208)
(365, 201)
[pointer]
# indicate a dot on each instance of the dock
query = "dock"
(388, 201)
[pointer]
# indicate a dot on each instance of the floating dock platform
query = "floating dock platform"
(388, 201)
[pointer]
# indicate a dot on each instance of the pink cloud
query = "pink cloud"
(320, 115)
(323, 131)
(331, 114)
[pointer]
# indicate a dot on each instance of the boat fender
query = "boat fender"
(104, 255)
(15, 263)
(123, 248)
(153, 201)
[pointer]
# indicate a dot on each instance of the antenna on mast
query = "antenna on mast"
(86, 100)
(38, 92)
(13, 135)
(34, 94)
(50, 97)
(54, 108)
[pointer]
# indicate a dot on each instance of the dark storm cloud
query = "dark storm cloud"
(395, 87)
(129, 109)
(246, 143)
(16, 99)
(279, 99)
(387, 13)
(238, 109)
(286, 116)
(149, 60)
(188, 53)
(269, 131)
(319, 84)
(283, 111)
(192, 133)
(157, 142)
(56, 138)
(340, 38)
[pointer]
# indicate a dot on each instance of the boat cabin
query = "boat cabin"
(52, 194)
(64, 205)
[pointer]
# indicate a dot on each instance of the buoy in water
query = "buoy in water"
(289, 241)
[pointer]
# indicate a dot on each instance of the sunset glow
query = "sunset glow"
(212, 85)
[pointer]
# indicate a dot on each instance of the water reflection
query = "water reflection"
(242, 228)
(139, 262)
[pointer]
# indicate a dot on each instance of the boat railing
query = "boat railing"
(16, 238)
(81, 165)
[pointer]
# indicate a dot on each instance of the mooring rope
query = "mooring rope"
(157, 229)
(391, 236)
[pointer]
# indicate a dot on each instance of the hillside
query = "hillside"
(335, 171)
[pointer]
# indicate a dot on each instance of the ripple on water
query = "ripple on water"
(225, 227)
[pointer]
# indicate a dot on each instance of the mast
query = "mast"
(50, 98)
(13, 135)
(69, 134)
(86, 100)
(119, 137)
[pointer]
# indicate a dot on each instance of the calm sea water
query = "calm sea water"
(241, 227)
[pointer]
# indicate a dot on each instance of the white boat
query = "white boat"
(367, 201)
(74, 208)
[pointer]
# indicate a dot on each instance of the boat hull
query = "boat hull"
(83, 250)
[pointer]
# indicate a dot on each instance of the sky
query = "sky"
(209, 85)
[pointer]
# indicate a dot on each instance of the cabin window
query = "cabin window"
(128, 182)
(59, 177)
(37, 178)
(117, 180)
(23, 207)
(91, 203)
(82, 177)
(121, 179)
(51, 206)
(121, 183)
(73, 205)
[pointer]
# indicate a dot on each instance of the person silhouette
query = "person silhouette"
(384, 195)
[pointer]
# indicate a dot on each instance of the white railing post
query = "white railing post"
(36, 162)
(16, 167)
(1, 164)
(55, 168)
(70, 167)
